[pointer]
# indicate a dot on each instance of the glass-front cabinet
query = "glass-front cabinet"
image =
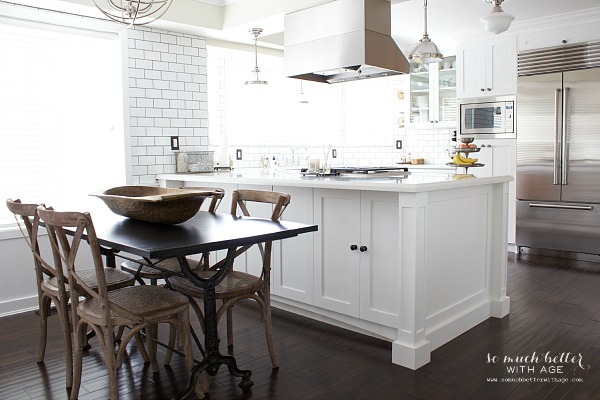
(433, 93)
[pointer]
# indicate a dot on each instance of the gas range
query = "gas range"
(360, 171)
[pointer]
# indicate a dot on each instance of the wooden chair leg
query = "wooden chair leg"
(186, 342)
(63, 315)
(172, 336)
(230, 327)
(140, 342)
(111, 362)
(269, 334)
(151, 334)
(78, 337)
(44, 310)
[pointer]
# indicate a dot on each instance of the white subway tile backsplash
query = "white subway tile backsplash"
(191, 51)
(184, 41)
(179, 104)
(168, 76)
(163, 122)
(175, 49)
(144, 64)
(160, 47)
(169, 113)
(176, 67)
(160, 66)
(162, 85)
(183, 59)
(168, 38)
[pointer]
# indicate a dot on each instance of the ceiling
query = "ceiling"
(449, 21)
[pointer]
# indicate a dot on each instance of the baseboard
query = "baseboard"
(18, 306)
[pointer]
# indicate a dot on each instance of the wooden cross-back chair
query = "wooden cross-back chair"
(52, 283)
(239, 285)
(137, 307)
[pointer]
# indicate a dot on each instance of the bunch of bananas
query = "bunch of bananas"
(460, 160)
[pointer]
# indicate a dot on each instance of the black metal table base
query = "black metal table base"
(213, 358)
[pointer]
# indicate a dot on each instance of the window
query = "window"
(270, 114)
(61, 113)
(350, 113)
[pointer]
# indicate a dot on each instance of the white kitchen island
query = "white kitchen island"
(416, 260)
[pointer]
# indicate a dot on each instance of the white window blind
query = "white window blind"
(61, 113)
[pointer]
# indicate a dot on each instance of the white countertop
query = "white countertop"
(415, 181)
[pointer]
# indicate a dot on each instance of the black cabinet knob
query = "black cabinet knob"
(363, 248)
(353, 247)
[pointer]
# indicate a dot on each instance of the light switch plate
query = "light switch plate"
(174, 142)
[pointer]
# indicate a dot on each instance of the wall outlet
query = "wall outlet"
(398, 144)
(174, 142)
(238, 154)
(333, 153)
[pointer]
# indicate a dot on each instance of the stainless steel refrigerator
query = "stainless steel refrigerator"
(558, 160)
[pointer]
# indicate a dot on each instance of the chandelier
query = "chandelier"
(133, 12)
(425, 52)
(497, 21)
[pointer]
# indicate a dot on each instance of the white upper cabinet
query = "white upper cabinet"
(433, 94)
(487, 67)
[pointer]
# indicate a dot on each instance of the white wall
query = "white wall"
(167, 97)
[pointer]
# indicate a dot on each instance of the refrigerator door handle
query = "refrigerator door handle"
(561, 206)
(565, 143)
(557, 136)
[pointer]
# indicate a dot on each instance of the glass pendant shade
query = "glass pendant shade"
(133, 12)
(256, 77)
(425, 52)
(497, 21)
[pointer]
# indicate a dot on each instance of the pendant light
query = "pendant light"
(497, 21)
(256, 77)
(425, 52)
(302, 98)
(133, 12)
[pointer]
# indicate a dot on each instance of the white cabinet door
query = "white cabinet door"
(501, 66)
(356, 254)
(379, 258)
(487, 68)
(433, 95)
(293, 276)
(499, 157)
(337, 212)
(471, 74)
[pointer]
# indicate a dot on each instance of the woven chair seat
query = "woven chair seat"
(143, 302)
(115, 279)
(171, 266)
(236, 283)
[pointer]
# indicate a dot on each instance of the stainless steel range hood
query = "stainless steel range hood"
(342, 40)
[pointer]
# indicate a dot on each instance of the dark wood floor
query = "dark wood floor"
(555, 307)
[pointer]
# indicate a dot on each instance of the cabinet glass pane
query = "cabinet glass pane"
(419, 94)
(447, 89)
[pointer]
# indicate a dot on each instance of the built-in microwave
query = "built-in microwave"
(487, 117)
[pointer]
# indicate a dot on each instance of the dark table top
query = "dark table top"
(204, 233)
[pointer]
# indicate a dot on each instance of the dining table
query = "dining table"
(204, 233)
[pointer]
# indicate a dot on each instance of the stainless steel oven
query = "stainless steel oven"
(487, 117)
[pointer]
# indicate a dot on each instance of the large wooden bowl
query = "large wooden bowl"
(154, 204)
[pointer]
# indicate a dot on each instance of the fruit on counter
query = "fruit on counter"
(460, 160)
(458, 177)
(472, 145)
(463, 146)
